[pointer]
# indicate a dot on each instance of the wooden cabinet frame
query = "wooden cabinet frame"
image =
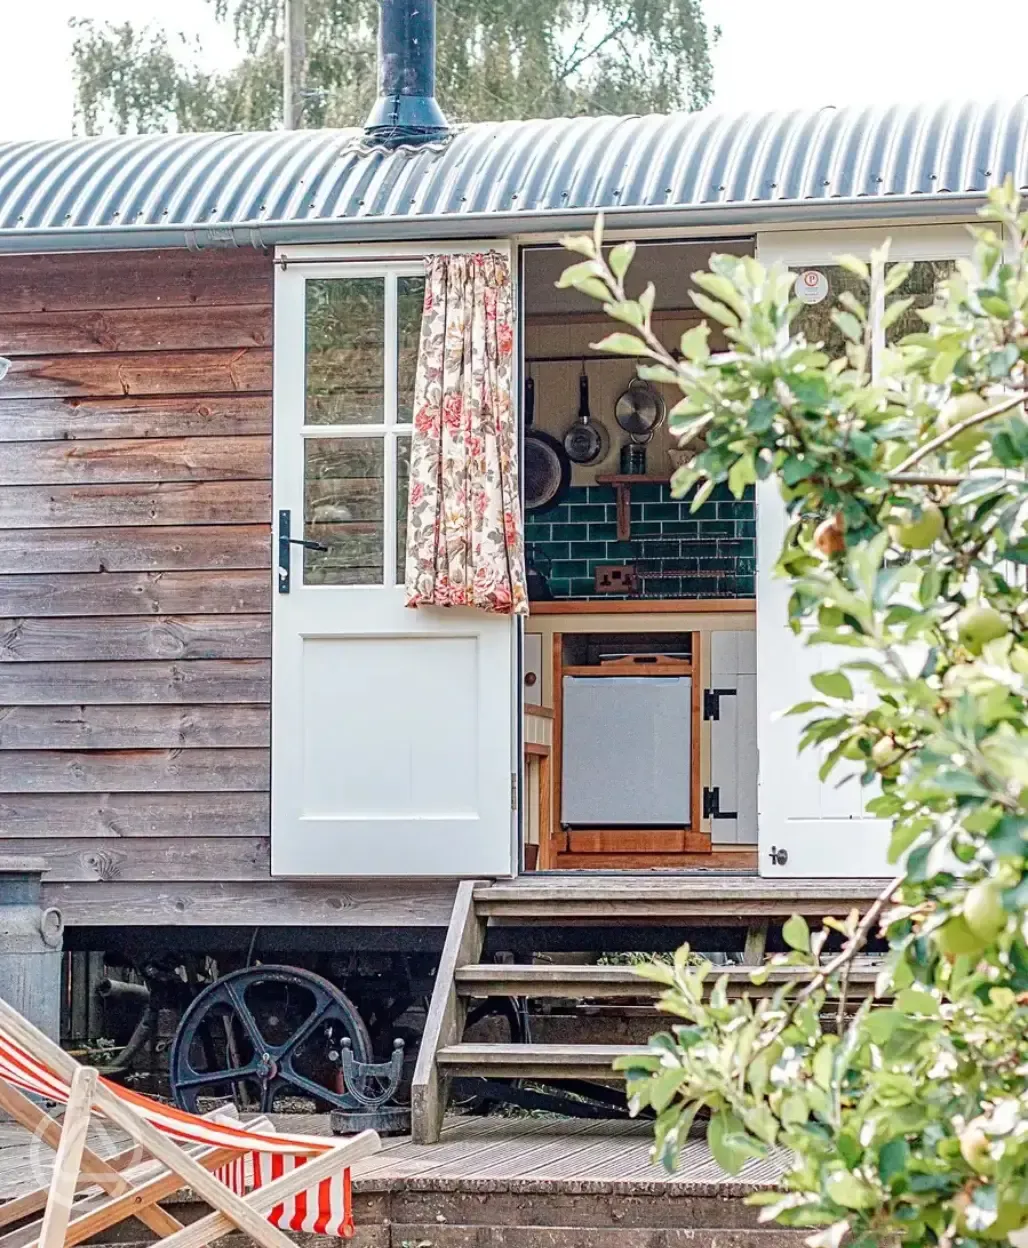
(626, 848)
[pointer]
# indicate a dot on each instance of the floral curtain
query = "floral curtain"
(465, 544)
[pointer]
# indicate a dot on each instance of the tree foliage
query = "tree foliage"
(496, 59)
(903, 1115)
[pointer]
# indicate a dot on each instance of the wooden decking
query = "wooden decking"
(488, 1154)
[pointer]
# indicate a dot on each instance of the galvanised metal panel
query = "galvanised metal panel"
(715, 167)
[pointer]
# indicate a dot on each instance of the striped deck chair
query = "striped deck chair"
(255, 1180)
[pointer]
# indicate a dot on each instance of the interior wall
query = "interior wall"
(677, 553)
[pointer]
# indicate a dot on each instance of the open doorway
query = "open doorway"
(639, 669)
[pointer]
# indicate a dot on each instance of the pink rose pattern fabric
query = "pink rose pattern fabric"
(465, 543)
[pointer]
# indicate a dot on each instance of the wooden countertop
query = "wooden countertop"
(640, 606)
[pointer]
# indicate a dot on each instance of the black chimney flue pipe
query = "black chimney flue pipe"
(406, 111)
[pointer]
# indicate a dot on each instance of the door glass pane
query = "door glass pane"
(343, 509)
(815, 319)
(923, 279)
(345, 347)
(410, 299)
(402, 491)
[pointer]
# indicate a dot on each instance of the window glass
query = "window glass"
(345, 351)
(343, 510)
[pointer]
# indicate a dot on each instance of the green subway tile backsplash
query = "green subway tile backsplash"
(710, 553)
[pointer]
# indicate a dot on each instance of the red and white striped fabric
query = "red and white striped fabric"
(325, 1209)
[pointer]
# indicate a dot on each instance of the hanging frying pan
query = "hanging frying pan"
(639, 410)
(586, 440)
(546, 471)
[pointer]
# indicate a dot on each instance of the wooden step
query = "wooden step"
(561, 980)
(725, 899)
(534, 1061)
(443, 1235)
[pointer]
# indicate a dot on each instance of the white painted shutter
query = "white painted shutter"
(807, 827)
(733, 736)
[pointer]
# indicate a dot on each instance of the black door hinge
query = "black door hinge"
(712, 805)
(712, 701)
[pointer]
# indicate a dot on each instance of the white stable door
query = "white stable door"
(807, 827)
(392, 738)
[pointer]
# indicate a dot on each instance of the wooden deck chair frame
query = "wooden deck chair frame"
(132, 1190)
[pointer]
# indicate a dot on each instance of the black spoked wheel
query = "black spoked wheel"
(266, 1037)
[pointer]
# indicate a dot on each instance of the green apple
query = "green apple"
(954, 412)
(918, 531)
(955, 938)
(983, 910)
(974, 1147)
(978, 625)
(884, 752)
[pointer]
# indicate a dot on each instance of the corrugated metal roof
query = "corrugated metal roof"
(279, 186)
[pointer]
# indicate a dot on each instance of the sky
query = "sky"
(772, 53)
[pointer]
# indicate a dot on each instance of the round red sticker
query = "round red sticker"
(811, 286)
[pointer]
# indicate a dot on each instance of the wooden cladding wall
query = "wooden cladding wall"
(135, 545)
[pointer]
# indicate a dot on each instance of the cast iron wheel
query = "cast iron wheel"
(266, 1034)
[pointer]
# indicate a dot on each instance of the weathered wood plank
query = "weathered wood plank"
(133, 727)
(137, 549)
(147, 682)
(447, 1011)
(70, 639)
(135, 459)
(188, 815)
(152, 858)
(133, 771)
(75, 419)
(132, 279)
(135, 329)
(137, 593)
(132, 503)
(287, 903)
(140, 372)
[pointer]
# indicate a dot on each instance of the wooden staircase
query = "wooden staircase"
(581, 902)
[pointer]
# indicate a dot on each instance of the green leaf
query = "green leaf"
(621, 344)
(854, 265)
(626, 310)
(664, 1086)
(931, 584)
(895, 310)
(893, 1159)
(832, 684)
(702, 494)
(717, 310)
(729, 1142)
(849, 325)
(849, 1191)
(741, 474)
(582, 243)
(693, 344)
(620, 258)
(576, 273)
(761, 415)
(914, 1001)
(796, 933)
(593, 287)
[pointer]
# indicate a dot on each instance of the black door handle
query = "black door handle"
(284, 542)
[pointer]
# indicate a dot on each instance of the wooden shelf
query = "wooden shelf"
(622, 484)
(643, 606)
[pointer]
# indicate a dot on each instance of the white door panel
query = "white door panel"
(392, 738)
(807, 827)
(733, 736)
